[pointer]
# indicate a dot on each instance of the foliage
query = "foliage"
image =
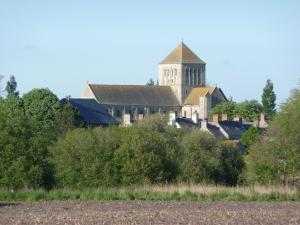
(83, 157)
(67, 119)
(268, 100)
(228, 108)
(41, 106)
(199, 162)
(249, 110)
(250, 137)
(276, 157)
(11, 87)
(23, 163)
(150, 82)
(230, 163)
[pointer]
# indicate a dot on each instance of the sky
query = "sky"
(62, 45)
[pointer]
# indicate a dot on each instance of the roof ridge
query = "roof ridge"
(182, 54)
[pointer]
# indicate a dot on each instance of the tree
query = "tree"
(229, 108)
(249, 110)
(150, 82)
(68, 118)
(199, 163)
(268, 100)
(275, 158)
(83, 157)
(41, 107)
(250, 137)
(11, 87)
(23, 156)
(141, 157)
(230, 163)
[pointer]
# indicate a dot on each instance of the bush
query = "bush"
(275, 159)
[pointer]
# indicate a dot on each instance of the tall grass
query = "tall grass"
(160, 192)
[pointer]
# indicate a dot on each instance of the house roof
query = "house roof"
(215, 131)
(182, 54)
(92, 112)
(134, 95)
(234, 129)
(186, 123)
(193, 98)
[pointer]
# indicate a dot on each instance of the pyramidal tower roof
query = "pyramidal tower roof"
(182, 54)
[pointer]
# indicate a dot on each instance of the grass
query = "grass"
(160, 192)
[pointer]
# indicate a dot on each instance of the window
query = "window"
(184, 113)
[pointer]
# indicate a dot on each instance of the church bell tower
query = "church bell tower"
(182, 70)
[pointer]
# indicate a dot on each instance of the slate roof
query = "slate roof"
(92, 112)
(182, 54)
(134, 95)
(186, 123)
(234, 129)
(214, 130)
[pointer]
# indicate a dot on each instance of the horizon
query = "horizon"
(62, 45)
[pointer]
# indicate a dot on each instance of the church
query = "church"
(182, 90)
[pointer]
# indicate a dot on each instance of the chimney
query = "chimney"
(141, 117)
(126, 119)
(262, 121)
(238, 119)
(203, 124)
(172, 118)
(216, 119)
(195, 117)
(224, 117)
(68, 97)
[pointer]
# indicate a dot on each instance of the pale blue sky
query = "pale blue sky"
(62, 44)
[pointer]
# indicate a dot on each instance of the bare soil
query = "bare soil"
(149, 212)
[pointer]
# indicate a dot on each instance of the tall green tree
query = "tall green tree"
(268, 100)
(11, 87)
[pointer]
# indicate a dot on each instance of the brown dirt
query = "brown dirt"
(149, 212)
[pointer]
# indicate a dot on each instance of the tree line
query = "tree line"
(45, 144)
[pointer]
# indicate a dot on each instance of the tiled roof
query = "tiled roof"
(92, 112)
(182, 54)
(134, 95)
(193, 98)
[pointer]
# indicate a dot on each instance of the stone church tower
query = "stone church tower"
(182, 70)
